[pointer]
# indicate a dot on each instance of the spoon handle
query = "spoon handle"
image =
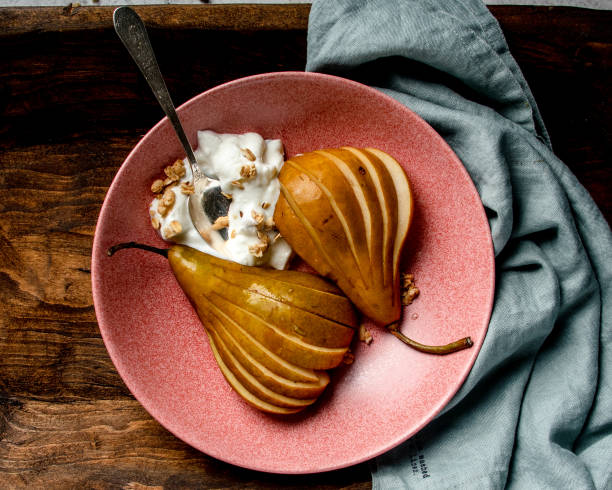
(132, 32)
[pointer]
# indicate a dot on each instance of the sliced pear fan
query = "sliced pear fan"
(347, 211)
(273, 334)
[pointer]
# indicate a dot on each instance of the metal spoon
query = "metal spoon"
(207, 203)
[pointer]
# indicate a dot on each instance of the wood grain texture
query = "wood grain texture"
(178, 17)
(72, 106)
(115, 444)
(565, 55)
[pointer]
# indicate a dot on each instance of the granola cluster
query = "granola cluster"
(173, 229)
(248, 172)
(248, 154)
(365, 335)
(221, 222)
(408, 288)
(263, 225)
(173, 174)
(162, 189)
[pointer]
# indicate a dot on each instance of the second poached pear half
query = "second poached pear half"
(346, 212)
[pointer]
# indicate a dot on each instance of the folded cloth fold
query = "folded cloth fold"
(536, 409)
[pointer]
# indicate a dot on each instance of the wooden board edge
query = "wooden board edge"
(234, 17)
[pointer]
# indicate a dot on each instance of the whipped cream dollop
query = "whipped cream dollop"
(247, 167)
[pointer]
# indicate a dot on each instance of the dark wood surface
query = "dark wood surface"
(72, 106)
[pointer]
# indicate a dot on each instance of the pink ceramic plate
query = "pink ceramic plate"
(391, 391)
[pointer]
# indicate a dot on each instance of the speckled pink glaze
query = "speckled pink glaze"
(391, 391)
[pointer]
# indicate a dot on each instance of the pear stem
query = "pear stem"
(120, 246)
(458, 345)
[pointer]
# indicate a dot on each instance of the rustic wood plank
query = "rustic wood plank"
(49, 341)
(72, 106)
(565, 56)
(216, 17)
(115, 444)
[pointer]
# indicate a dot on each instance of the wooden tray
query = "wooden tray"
(72, 106)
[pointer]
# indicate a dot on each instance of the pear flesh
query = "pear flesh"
(346, 212)
(273, 333)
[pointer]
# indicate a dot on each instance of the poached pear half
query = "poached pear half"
(346, 212)
(273, 333)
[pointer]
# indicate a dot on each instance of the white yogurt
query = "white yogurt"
(247, 167)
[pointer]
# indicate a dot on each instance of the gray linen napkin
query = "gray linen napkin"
(536, 410)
